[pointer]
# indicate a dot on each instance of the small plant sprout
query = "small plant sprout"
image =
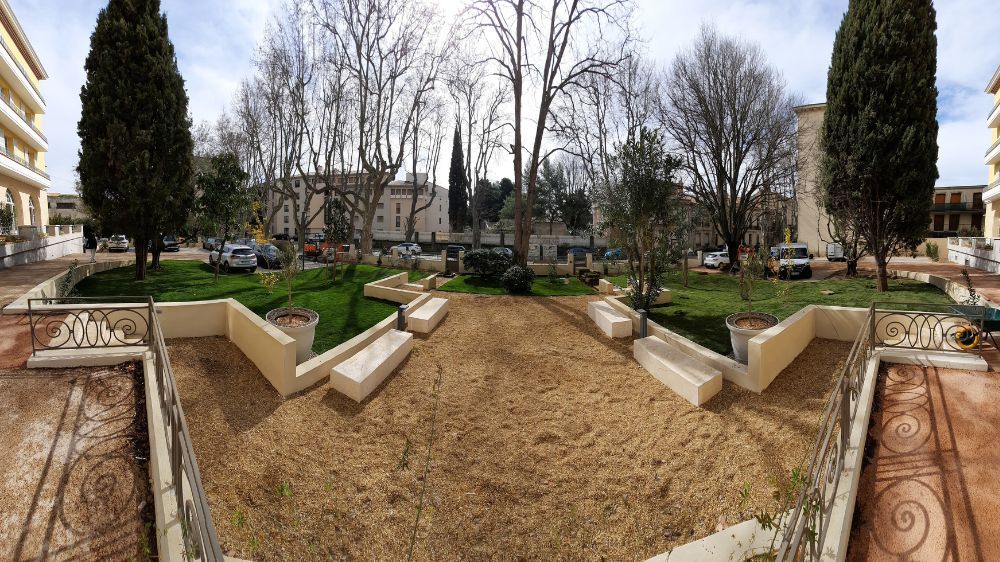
(239, 519)
(285, 489)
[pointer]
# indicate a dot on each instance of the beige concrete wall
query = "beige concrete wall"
(270, 349)
(192, 319)
(775, 348)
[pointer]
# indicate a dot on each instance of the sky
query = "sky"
(215, 40)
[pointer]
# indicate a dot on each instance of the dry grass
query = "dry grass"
(72, 487)
(550, 443)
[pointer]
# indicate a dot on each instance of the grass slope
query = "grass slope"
(343, 309)
(699, 311)
(542, 287)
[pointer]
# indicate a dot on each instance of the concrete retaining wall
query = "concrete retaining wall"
(68, 241)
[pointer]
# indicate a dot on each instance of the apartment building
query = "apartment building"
(957, 210)
(23, 181)
(391, 212)
(67, 205)
(992, 194)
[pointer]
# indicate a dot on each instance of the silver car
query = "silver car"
(235, 256)
(118, 243)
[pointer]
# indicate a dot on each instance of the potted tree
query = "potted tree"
(299, 323)
(745, 325)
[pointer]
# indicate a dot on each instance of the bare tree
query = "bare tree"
(391, 53)
(728, 115)
(479, 111)
(428, 135)
(559, 46)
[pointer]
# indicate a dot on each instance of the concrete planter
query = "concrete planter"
(303, 335)
(740, 337)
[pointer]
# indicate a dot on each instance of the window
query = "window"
(953, 221)
(286, 208)
(939, 198)
(286, 230)
(286, 219)
(8, 203)
(296, 184)
(439, 220)
(397, 208)
(379, 219)
(956, 198)
(938, 222)
(397, 221)
(381, 206)
(69, 206)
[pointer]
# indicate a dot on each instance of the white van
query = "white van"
(835, 252)
(793, 259)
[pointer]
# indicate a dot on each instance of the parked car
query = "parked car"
(454, 249)
(235, 256)
(408, 249)
(171, 244)
(248, 242)
(118, 243)
(614, 254)
(579, 254)
(268, 256)
(502, 250)
(715, 260)
(208, 243)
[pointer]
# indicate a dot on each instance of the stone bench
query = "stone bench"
(692, 380)
(613, 323)
(429, 315)
(357, 377)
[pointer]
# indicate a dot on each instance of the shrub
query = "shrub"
(518, 279)
(486, 263)
(931, 249)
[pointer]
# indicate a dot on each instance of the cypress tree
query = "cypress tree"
(880, 129)
(458, 203)
(135, 135)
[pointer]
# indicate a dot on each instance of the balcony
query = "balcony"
(23, 170)
(19, 79)
(14, 119)
(963, 207)
(993, 154)
(993, 121)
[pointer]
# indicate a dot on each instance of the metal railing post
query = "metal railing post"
(401, 317)
(871, 323)
(643, 322)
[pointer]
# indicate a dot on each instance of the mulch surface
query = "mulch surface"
(546, 439)
(73, 486)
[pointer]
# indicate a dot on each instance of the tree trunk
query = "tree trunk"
(157, 250)
(140, 260)
(684, 268)
(882, 276)
(852, 268)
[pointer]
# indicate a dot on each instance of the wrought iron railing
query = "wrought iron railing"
(200, 539)
(803, 529)
(947, 328)
(80, 323)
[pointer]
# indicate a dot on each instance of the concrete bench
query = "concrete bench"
(610, 321)
(429, 315)
(357, 377)
(692, 380)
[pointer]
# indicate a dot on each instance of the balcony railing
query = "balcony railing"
(990, 152)
(952, 328)
(29, 165)
(24, 71)
(24, 117)
(963, 206)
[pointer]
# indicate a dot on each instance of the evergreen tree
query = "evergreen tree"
(880, 129)
(135, 135)
(458, 204)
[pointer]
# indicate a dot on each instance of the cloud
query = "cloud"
(215, 40)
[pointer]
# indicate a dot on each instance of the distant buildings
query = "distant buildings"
(23, 181)
(957, 211)
(391, 211)
(67, 205)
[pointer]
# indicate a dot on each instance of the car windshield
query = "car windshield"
(118, 238)
(242, 252)
(793, 253)
(169, 239)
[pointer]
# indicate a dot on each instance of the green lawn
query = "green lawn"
(343, 309)
(542, 287)
(699, 311)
